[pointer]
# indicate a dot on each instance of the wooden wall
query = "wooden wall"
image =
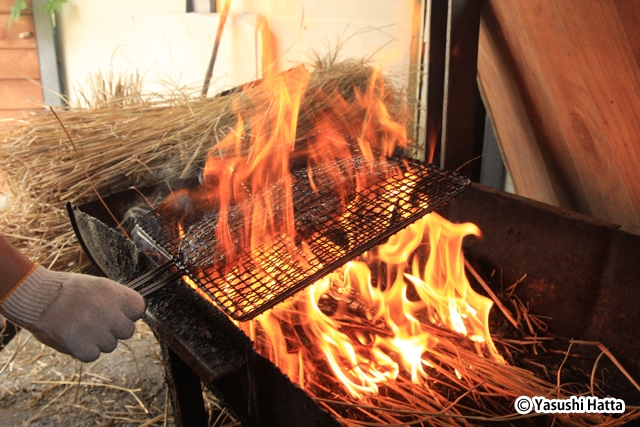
(20, 86)
(561, 82)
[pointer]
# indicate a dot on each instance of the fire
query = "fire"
(369, 327)
(364, 322)
(275, 132)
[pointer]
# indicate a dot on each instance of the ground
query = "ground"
(40, 387)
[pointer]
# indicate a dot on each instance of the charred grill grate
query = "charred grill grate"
(327, 235)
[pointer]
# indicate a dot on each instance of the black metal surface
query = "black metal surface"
(185, 389)
(436, 73)
(582, 274)
(330, 230)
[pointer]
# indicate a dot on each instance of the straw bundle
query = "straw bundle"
(132, 140)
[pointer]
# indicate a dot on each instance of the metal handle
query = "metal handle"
(154, 279)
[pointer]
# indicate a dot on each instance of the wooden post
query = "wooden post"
(460, 88)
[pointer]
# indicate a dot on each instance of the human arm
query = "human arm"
(76, 314)
(13, 266)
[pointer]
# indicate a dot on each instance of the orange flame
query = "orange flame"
(366, 319)
(266, 144)
(376, 330)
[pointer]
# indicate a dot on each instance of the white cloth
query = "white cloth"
(76, 314)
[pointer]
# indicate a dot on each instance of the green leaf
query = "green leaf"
(17, 7)
(53, 6)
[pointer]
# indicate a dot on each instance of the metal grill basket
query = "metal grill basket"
(330, 230)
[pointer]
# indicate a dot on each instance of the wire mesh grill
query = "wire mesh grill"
(334, 224)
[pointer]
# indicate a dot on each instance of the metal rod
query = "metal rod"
(150, 275)
(152, 287)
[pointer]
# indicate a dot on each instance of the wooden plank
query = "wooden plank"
(10, 37)
(571, 114)
(20, 94)
(531, 67)
(19, 64)
(573, 68)
(611, 108)
(507, 111)
(5, 7)
(7, 115)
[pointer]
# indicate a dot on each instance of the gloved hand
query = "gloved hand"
(76, 314)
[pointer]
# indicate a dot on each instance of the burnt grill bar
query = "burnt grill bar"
(581, 272)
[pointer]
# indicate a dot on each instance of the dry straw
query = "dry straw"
(125, 139)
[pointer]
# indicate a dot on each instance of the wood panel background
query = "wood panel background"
(20, 84)
(561, 82)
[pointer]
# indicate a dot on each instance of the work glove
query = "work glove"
(76, 314)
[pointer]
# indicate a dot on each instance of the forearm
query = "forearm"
(13, 266)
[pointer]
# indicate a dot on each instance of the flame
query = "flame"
(275, 132)
(375, 329)
(364, 322)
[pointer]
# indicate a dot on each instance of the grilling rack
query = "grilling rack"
(327, 233)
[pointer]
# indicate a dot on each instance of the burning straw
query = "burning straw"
(127, 139)
(398, 337)
(465, 389)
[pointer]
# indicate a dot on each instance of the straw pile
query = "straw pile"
(126, 139)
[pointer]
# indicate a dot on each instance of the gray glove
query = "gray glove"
(76, 314)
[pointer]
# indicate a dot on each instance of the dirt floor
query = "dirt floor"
(40, 387)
